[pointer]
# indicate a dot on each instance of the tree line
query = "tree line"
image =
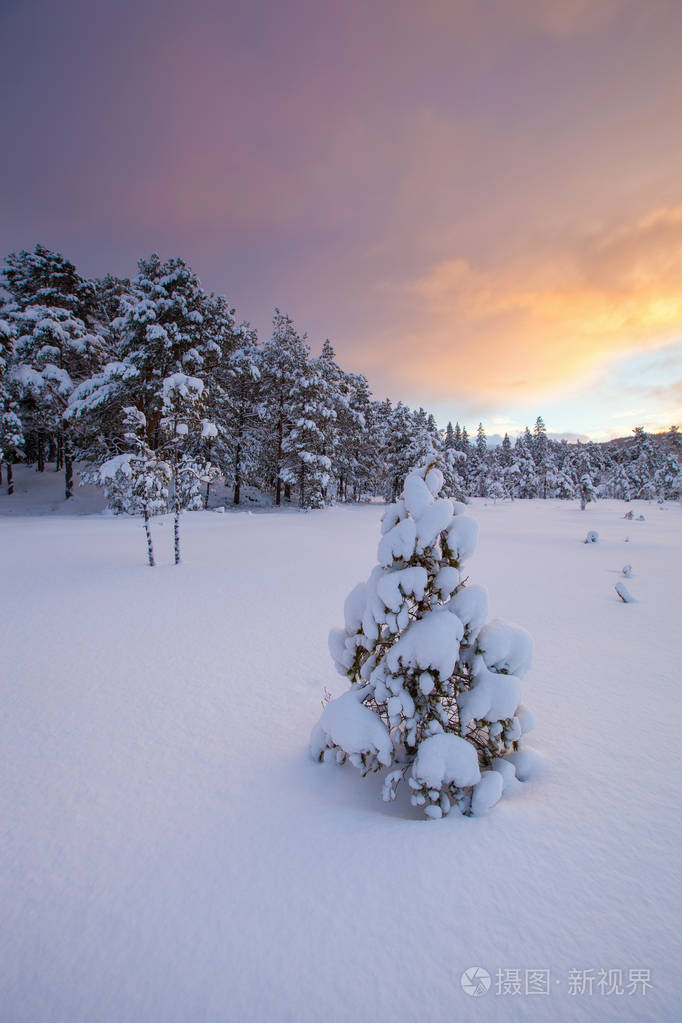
(157, 390)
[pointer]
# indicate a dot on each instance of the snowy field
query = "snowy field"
(170, 852)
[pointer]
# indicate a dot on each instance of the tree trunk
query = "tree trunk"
(280, 430)
(176, 504)
(148, 531)
(208, 484)
(10, 479)
(176, 530)
(41, 452)
(237, 473)
(68, 466)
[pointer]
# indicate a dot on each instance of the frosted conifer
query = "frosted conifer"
(435, 693)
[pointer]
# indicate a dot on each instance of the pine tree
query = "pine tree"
(303, 462)
(241, 413)
(53, 352)
(51, 311)
(435, 694)
(11, 428)
(356, 445)
(403, 448)
(284, 356)
(45, 278)
(506, 456)
(481, 442)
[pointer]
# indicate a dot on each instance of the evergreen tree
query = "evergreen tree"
(506, 456)
(435, 693)
(241, 413)
(481, 442)
(53, 352)
(284, 358)
(356, 446)
(303, 462)
(45, 278)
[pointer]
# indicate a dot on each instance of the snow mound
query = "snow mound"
(462, 537)
(443, 759)
(416, 495)
(506, 647)
(486, 792)
(527, 763)
(398, 542)
(346, 723)
(430, 643)
(433, 521)
(624, 593)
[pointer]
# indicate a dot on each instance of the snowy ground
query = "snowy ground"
(171, 853)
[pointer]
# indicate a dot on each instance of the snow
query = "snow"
(463, 537)
(393, 587)
(623, 592)
(471, 607)
(170, 851)
(398, 542)
(494, 697)
(352, 726)
(506, 647)
(416, 495)
(430, 643)
(446, 758)
(434, 480)
(119, 463)
(433, 521)
(486, 793)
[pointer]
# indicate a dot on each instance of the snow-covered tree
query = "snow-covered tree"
(304, 463)
(239, 416)
(137, 481)
(11, 428)
(284, 356)
(181, 425)
(53, 351)
(355, 452)
(435, 692)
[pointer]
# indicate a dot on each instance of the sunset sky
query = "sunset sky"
(478, 201)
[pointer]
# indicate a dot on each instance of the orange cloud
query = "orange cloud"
(535, 325)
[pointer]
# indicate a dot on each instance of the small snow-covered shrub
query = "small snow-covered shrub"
(627, 571)
(592, 537)
(435, 691)
(629, 515)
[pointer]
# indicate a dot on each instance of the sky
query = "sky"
(479, 202)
